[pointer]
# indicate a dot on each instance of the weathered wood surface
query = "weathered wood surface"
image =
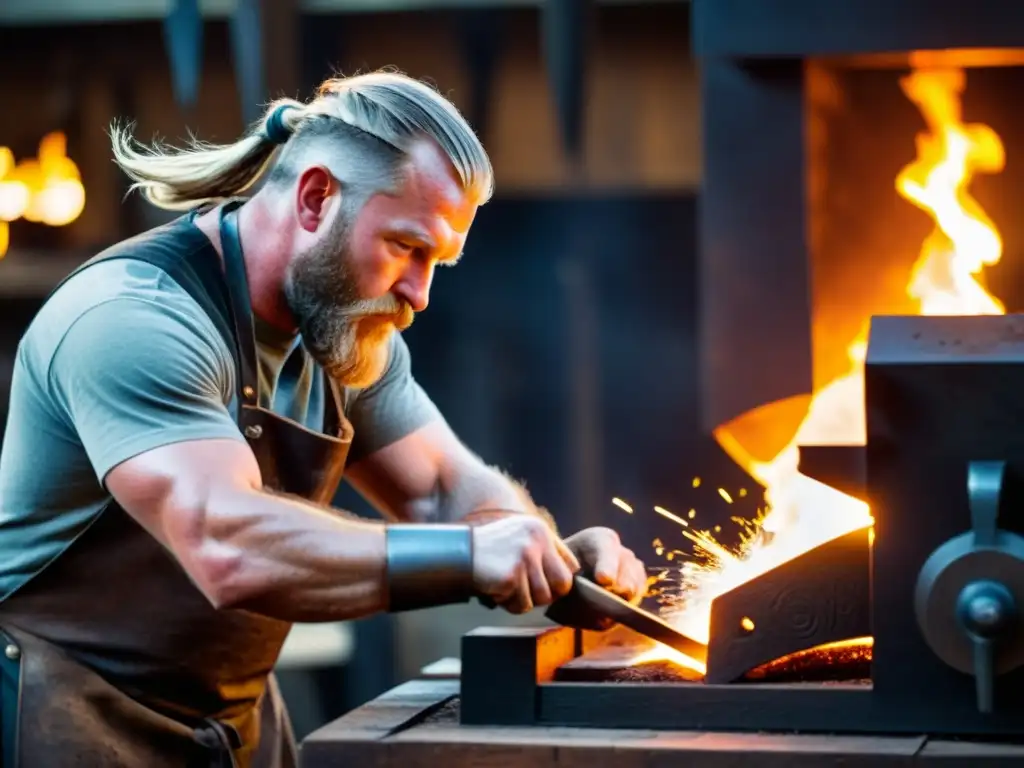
(417, 726)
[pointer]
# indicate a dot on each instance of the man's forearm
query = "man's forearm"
(487, 492)
(291, 560)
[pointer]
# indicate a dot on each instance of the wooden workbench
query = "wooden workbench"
(416, 725)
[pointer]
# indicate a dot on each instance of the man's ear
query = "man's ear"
(316, 185)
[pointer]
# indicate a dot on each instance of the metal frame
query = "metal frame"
(507, 680)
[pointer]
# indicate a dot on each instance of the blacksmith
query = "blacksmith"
(183, 409)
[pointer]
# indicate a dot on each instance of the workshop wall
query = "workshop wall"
(641, 119)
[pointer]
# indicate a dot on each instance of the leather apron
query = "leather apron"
(183, 684)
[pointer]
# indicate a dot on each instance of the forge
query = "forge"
(935, 592)
(862, 359)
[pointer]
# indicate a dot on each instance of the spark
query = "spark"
(725, 495)
(674, 518)
(702, 539)
(622, 505)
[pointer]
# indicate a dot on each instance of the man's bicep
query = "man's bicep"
(168, 489)
(132, 376)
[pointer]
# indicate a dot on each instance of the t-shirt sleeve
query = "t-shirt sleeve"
(393, 407)
(132, 375)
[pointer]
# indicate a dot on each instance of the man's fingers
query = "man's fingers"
(642, 582)
(540, 592)
(632, 578)
(624, 583)
(606, 569)
(559, 577)
(520, 601)
(567, 555)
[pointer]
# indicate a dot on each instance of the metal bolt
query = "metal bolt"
(254, 432)
(12, 651)
(985, 611)
(248, 392)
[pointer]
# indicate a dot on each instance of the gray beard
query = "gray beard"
(347, 336)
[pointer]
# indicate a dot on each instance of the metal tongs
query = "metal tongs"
(592, 607)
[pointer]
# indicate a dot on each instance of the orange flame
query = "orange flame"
(803, 513)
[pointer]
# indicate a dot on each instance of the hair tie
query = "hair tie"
(275, 129)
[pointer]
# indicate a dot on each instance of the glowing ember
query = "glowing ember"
(845, 653)
(664, 653)
(801, 513)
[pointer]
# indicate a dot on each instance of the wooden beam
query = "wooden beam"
(265, 36)
(281, 48)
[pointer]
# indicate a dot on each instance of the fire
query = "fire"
(46, 189)
(802, 513)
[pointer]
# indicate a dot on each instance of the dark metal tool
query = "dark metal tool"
(590, 606)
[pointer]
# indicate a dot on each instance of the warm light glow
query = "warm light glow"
(46, 189)
(802, 513)
(659, 652)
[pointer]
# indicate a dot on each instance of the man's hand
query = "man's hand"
(519, 563)
(614, 567)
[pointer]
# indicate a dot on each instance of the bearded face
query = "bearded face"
(346, 334)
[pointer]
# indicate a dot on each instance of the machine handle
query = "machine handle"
(988, 612)
(984, 487)
(984, 673)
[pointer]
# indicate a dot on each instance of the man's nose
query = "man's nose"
(414, 287)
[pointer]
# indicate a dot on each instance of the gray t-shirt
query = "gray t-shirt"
(121, 360)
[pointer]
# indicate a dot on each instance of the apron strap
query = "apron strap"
(221, 740)
(241, 307)
(10, 700)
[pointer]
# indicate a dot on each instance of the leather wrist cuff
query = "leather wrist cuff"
(428, 565)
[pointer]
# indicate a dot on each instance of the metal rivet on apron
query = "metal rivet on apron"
(249, 392)
(254, 431)
(12, 651)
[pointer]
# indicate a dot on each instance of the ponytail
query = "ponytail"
(180, 179)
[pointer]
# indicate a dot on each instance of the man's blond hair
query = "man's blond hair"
(360, 127)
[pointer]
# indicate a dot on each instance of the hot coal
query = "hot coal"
(650, 672)
(615, 661)
(843, 662)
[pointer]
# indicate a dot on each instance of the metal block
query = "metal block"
(501, 667)
(821, 597)
(942, 393)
